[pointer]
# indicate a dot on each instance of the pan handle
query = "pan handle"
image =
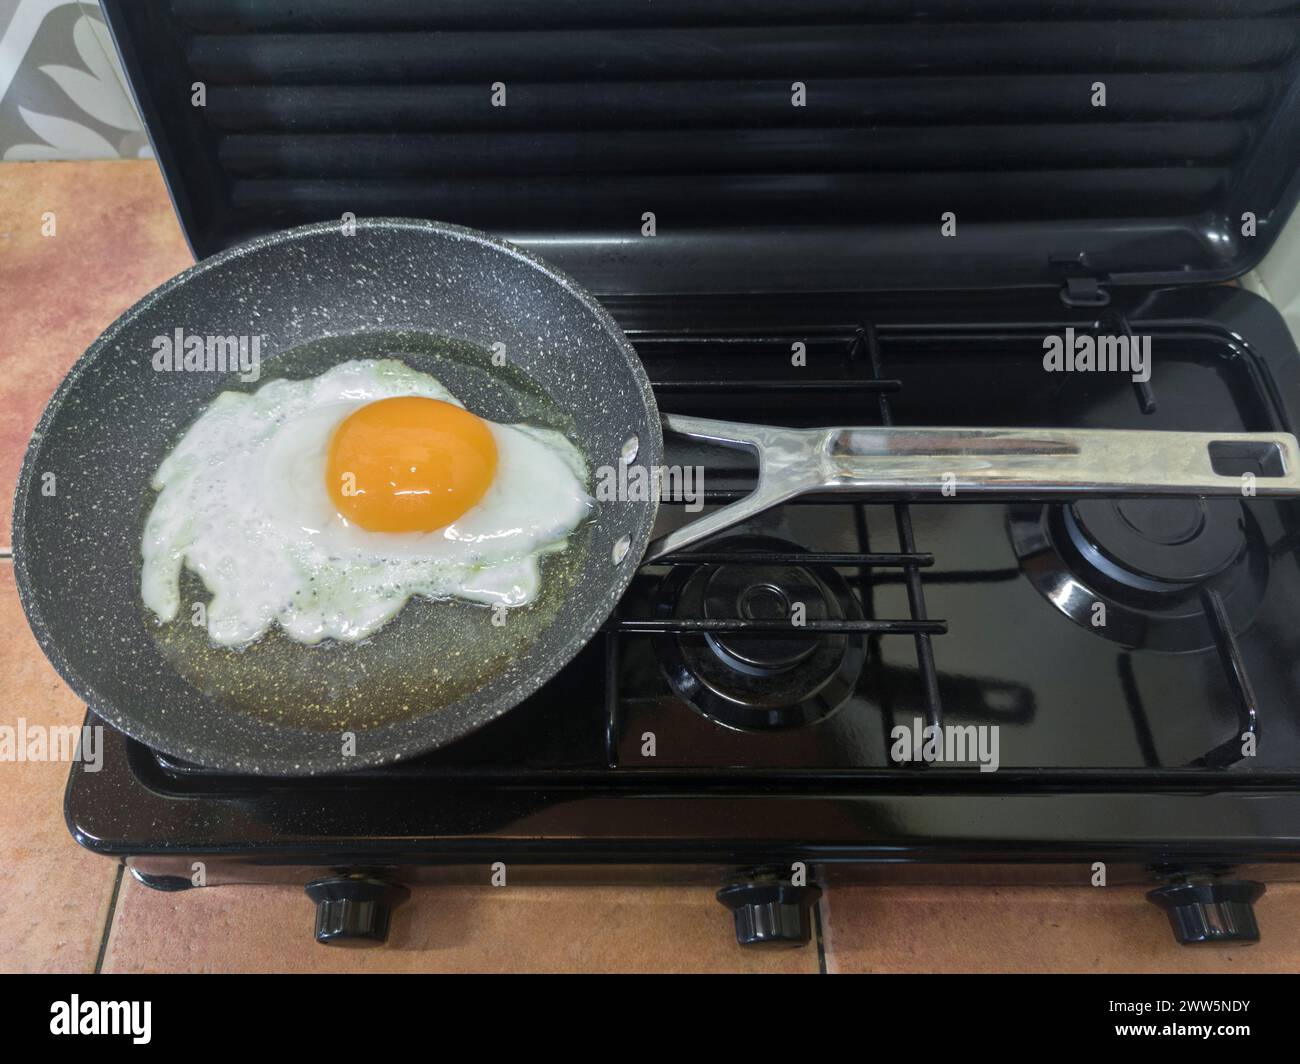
(956, 463)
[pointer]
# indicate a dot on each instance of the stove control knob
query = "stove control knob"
(354, 910)
(1211, 911)
(771, 914)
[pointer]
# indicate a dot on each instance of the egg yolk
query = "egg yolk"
(409, 464)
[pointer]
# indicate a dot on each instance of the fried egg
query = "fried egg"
(324, 505)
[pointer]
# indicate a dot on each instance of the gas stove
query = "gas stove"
(1123, 671)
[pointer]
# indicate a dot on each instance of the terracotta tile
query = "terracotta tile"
(54, 896)
(440, 929)
(1037, 929)
(116, 238)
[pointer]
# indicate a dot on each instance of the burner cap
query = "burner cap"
(768, 594)
(1158, 544)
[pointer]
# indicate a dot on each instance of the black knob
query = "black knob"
(1211, 911)
(354, 910)
(771, 915)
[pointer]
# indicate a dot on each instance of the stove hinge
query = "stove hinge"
(1082, 286)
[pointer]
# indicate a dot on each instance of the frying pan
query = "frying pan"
(438, 296)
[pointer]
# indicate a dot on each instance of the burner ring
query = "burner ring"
(1157, 544)
(1158, 605)
(765, 680)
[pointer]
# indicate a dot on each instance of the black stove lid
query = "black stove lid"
(987, 113)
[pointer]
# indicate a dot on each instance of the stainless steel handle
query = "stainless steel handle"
(1011, 463)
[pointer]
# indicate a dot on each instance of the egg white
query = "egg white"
(242, 501)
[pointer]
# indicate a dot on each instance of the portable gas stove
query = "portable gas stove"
(1135, 660)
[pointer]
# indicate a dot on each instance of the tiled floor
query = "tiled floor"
(1037, 929)
(54, 897)
(446, 929)
(116, 238)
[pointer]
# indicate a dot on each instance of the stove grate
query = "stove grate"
(862, 373)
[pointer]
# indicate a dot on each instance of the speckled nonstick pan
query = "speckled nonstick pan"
(393, 286)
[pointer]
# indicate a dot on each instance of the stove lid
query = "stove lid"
(719, 146)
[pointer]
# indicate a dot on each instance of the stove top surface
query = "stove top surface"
(1139, 647)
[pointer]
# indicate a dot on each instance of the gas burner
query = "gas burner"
(1152, 563)
(759, 680)
(1157, 545)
